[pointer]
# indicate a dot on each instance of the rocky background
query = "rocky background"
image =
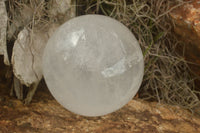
(186, 20)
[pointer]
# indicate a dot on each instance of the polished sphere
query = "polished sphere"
(93, 65)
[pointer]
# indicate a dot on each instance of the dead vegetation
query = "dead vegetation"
(167, 76)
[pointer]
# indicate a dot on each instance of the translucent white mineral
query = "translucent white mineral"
(93, 65)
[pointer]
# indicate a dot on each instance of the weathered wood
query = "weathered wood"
(27, 61)
(18, 88)
(31, 92)
(30, 43)
(3, 29)
(27, 56)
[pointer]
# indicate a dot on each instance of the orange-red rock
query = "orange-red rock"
(186, 20)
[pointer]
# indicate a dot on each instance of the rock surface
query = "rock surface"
(187, 26)
(3, 28)
(44, 115)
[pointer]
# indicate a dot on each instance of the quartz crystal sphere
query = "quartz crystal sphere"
(93, 65)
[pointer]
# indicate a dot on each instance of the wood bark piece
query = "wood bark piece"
(28, 52)
(29, 46)
(27, 60)
(3, 28)
(30, 43)
(26, 56)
